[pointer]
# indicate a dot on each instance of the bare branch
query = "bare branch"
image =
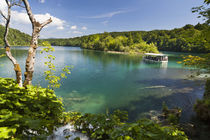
(14, 3)
(3, 15)
(17, 4)
(46, 22)
(37, 27)
(7, 46)
(29, 12)
(7, 3)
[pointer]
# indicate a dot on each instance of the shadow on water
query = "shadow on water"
(183, 95)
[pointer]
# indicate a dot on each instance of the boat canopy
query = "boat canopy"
(155, 57)
(155, 54)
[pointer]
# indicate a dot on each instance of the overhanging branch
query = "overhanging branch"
(3, 15)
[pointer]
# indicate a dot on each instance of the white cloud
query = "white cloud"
(60, 28)
(3, 7)
(77, 32)
(20, 21)
(42, 1)
(74, 27)
(56, 22)
(107, 15)
(84, 28)
(22, 18)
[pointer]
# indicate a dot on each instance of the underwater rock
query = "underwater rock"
(159, 86)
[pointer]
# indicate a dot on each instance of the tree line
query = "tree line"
(186, 39)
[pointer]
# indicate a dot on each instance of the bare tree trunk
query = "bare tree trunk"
(37, 27)
(7, 46)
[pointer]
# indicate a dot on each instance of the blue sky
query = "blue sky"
(81, 17)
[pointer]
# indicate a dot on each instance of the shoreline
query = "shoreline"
(117, 52)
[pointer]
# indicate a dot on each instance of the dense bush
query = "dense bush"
(143, 47)
(207, 89)
(119, 43)
(33, 112)
(202, 107)
(114, 126)
(147, 130)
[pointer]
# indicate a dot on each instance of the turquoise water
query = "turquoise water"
(101, 81)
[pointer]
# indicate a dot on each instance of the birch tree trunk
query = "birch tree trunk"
(7, 46)
(37, 27)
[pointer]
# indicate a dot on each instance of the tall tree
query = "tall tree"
(10, 4)
(36, 27)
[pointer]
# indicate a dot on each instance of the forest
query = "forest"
(186, 39)
(15, 37)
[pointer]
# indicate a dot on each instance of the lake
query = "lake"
(102, 81)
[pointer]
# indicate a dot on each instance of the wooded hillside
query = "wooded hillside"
(186, 39)
(15, 37)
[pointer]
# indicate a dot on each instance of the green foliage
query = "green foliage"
(173, 119)
(207, 89)
(30, 112)
(186, 39)
(164, 107)
(100, 126)
(147, 130)
(203, 10)
(171, 116)
(143, 47)
(199, 62)
(50, 75)
(72, 117)
(119, 43)
(202, 107)
(15, 37)
(114, 126)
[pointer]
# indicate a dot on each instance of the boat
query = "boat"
(155, 57)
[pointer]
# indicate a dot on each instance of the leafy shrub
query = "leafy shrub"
(172, 118)
(147, 130)
(50, 75)
(164, 107)
(72, 117)
(143, 47)
(113, 126)
(100, 126)
(202, 107)
(207, 89)
(31, 112)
